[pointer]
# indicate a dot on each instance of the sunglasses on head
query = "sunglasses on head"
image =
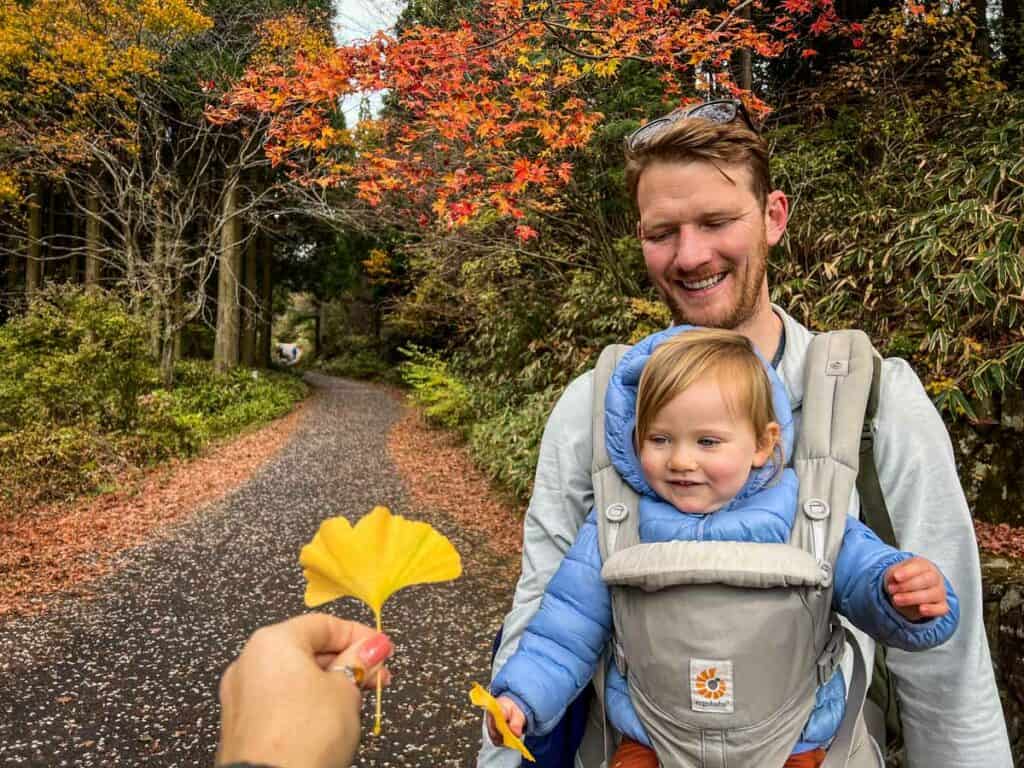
(720, 111)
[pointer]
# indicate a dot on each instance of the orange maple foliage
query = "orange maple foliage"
(486, 117)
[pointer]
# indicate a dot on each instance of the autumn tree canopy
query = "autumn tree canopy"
(485, 115)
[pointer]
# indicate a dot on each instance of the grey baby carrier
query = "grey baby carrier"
(727, 641)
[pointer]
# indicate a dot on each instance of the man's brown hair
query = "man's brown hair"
(695, 138)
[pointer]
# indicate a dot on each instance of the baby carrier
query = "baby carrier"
(728, 641)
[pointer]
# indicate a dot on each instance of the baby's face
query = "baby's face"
(698, 454)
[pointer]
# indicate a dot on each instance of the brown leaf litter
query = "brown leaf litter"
(63, 548)
(439, 474)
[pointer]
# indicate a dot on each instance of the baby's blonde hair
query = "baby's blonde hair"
(691, 355)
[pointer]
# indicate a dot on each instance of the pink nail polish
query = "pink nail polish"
(375, 650)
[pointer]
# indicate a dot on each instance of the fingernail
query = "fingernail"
(375, 650)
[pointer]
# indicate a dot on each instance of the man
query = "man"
(708, 215)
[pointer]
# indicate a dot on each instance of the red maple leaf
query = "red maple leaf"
(797, 6)
(524, 233)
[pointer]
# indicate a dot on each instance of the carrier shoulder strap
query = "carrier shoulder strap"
(838, 375)
(838, 372)
(615, 502)
(873, 510)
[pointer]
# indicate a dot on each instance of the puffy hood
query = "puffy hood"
(620, 416)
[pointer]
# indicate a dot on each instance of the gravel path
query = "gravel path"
(130, 678)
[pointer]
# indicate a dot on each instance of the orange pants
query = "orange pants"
(632, 754)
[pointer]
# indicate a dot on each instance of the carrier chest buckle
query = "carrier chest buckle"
(616, 513)
(816, 509)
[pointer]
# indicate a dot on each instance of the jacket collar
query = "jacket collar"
(791, 369)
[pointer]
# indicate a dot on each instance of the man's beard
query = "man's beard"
(745, 307)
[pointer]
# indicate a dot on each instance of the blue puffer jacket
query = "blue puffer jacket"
(561, 646)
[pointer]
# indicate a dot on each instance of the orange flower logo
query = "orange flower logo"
(709, 685)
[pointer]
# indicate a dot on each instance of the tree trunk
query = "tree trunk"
(178, 320)
(316, 330)
(34, 261)
(50, 246)
(251, 305)
(321, 326)
(225, 350)
(13, 263)
(131, 268)
(746, 79)
(167, 343)
(92, 241)
(978, 11)
(158, 299)
(266, 301)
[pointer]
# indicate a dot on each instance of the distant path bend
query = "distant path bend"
(130, 678)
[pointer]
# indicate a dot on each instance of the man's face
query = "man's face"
(705, 241)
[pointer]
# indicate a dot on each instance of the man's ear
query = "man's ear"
(776, 216)
(766, 446)
(639, 231)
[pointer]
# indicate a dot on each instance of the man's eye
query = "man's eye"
(716, 223)
(658, 237)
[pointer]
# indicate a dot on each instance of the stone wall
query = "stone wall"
(990, 458)
(1003, 581)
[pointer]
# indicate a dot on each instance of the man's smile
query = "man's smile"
(704, 283)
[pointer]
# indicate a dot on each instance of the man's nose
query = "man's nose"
(692, 249)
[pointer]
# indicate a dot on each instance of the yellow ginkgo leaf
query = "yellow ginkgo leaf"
(481, 698)
(372, 560)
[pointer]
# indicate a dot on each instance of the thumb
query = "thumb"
(364, 661)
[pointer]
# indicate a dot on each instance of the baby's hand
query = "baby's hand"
(513, 716)
(916, 589)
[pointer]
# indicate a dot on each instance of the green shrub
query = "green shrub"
(206, 405)
(505, 444)
(79, 403)
(364, 364)
(909, 226)
(167, 428)
(74, 356)
(445, 399)
(358, 357)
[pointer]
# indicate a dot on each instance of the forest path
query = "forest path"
(130, 677)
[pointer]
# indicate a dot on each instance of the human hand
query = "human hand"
(513, 716)
(280, 703)
(916, 589)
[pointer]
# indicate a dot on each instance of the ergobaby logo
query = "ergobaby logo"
(711, 686)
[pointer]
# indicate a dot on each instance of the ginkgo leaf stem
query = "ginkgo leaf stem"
(380, 690)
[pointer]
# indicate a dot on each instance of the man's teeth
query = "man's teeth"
(706, 283)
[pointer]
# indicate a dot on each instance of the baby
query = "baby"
(707, 456)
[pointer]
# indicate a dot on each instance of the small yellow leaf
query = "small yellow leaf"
(481, 698)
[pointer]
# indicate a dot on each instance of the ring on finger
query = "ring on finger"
(353, 673)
